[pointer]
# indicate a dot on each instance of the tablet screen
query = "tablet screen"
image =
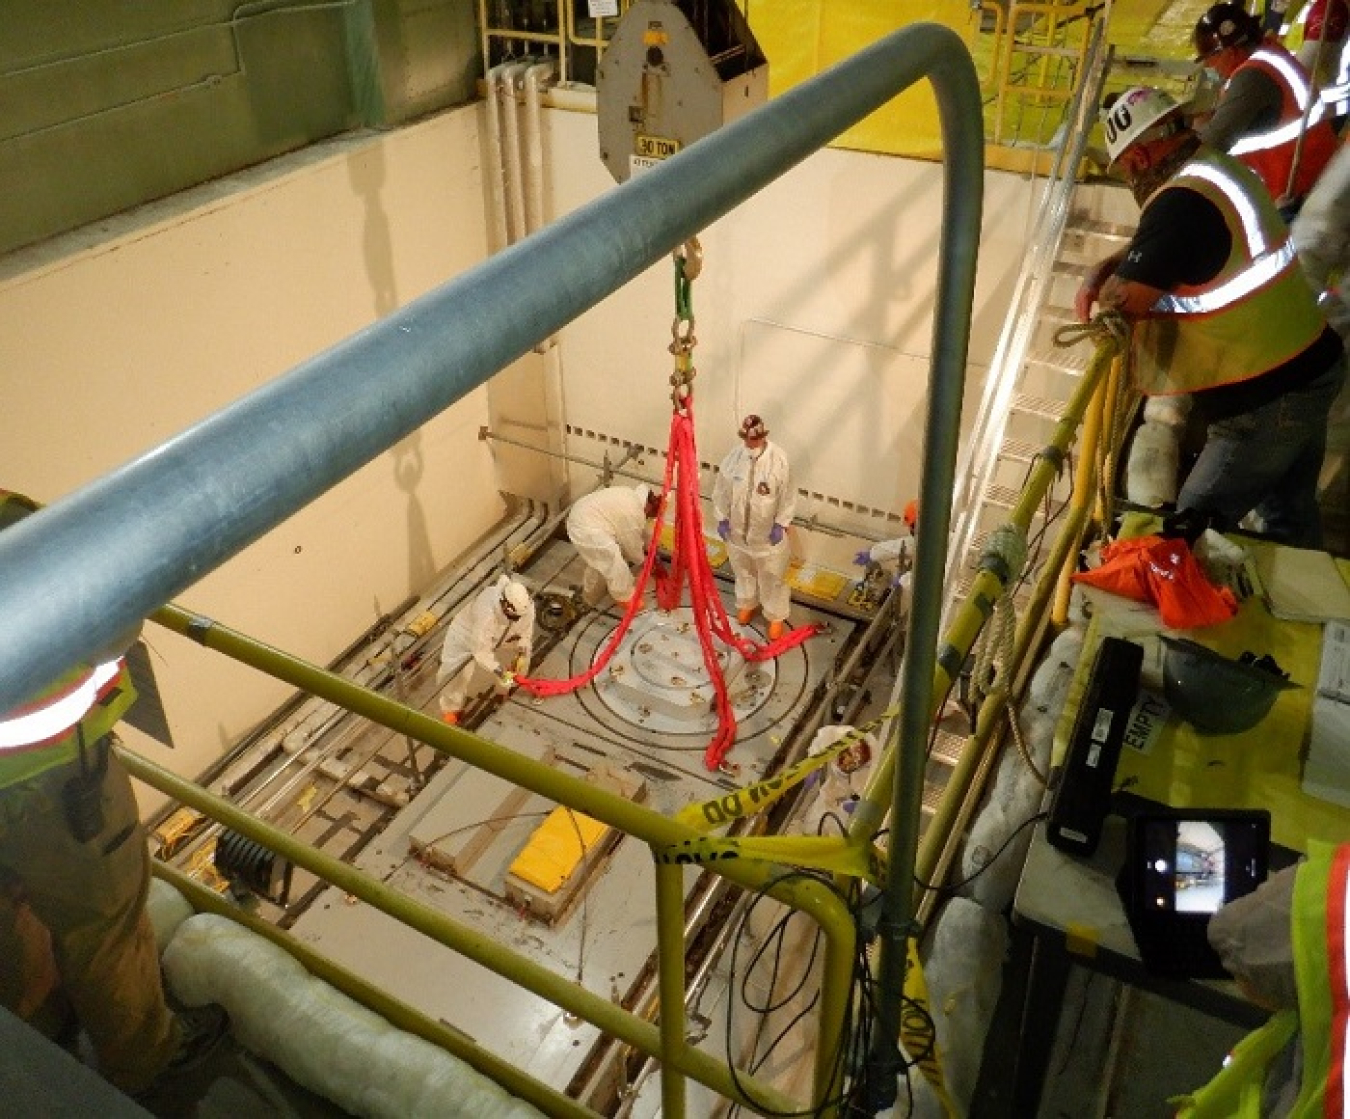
(1195, 865)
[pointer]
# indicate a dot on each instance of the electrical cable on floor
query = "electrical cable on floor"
(841, 1060)
(950, 888)
(585, 903)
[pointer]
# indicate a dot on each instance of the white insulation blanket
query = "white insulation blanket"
(318, 1036)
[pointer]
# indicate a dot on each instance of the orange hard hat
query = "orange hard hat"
(911, 514)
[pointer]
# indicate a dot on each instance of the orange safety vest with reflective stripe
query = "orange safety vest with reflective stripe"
(1255, 314)
(1270, 152)
(45, 732)
(1318, 931)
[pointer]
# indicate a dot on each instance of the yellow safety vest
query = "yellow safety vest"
(45, 732)
(1318, 929)
(1256, 314)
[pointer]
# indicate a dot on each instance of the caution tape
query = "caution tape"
(834, 853)
(748, 800)
(918, 1031)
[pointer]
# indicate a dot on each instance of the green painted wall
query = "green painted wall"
(105, 105)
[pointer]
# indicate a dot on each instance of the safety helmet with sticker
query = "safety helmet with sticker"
(517, 597)
(1132, 114)
(752, 427)
(1222, 26)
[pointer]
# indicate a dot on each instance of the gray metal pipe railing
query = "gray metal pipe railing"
(84, 571)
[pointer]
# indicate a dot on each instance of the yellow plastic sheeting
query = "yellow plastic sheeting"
(803, 37)
(800, 42)
(556, 848)
(819, 582)
(1259, 768)
(717, 551)
(1156, 28)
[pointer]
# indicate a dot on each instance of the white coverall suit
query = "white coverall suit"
(483, 640)
(842, 780)
(754, 492)
(608, 528)
(897, 554)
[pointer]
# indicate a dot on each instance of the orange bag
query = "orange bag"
(1162, 571)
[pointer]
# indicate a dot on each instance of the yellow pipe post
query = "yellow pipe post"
(794, 890)
(1084, 491)
(670, 948)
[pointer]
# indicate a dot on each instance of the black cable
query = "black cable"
(950, 888)
(844, 1058)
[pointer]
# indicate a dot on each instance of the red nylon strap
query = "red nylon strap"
(688, 564)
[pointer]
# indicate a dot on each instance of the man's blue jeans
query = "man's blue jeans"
(1269, 460)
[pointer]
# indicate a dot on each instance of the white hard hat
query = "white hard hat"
(1132, 114)
(517, 595)
(643, 491)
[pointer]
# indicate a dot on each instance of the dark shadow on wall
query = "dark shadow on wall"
(367, 172)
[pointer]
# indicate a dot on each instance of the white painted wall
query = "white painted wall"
(117, 341)
(814, 309)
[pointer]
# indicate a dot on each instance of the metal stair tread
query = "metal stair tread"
(1043, 406)
(947, 747)
(1063, 359)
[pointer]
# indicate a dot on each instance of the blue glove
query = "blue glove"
(863, 558)
(775, 534)
(723, 529)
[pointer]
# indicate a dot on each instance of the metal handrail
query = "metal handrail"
(83, 572)
(979, 457)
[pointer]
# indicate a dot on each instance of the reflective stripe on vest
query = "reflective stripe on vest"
(1317, 927)
(1295, 90)
(1254, 315)
(1270, 153)
(55, 714)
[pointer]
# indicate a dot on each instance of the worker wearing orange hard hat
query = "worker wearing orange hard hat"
(897, 552)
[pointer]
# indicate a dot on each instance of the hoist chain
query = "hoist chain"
(688, 263)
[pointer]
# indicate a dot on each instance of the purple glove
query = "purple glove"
(775, 534)
(863, 558)
(723, 529)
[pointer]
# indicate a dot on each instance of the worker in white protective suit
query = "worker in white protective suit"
(608, 528)
(493, 636)
(896, 556)
(754, 503)
(840, 783)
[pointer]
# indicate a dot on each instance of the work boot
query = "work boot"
(745, 613)
(775, 630)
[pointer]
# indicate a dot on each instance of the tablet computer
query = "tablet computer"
(1181, 865)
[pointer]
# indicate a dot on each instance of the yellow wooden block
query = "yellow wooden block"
(819, 582)
(555, 849)
(717, 551)
(422, 624)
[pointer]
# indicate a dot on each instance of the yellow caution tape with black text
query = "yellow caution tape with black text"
(918, 1032)
(834, 853)
(754, 798)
